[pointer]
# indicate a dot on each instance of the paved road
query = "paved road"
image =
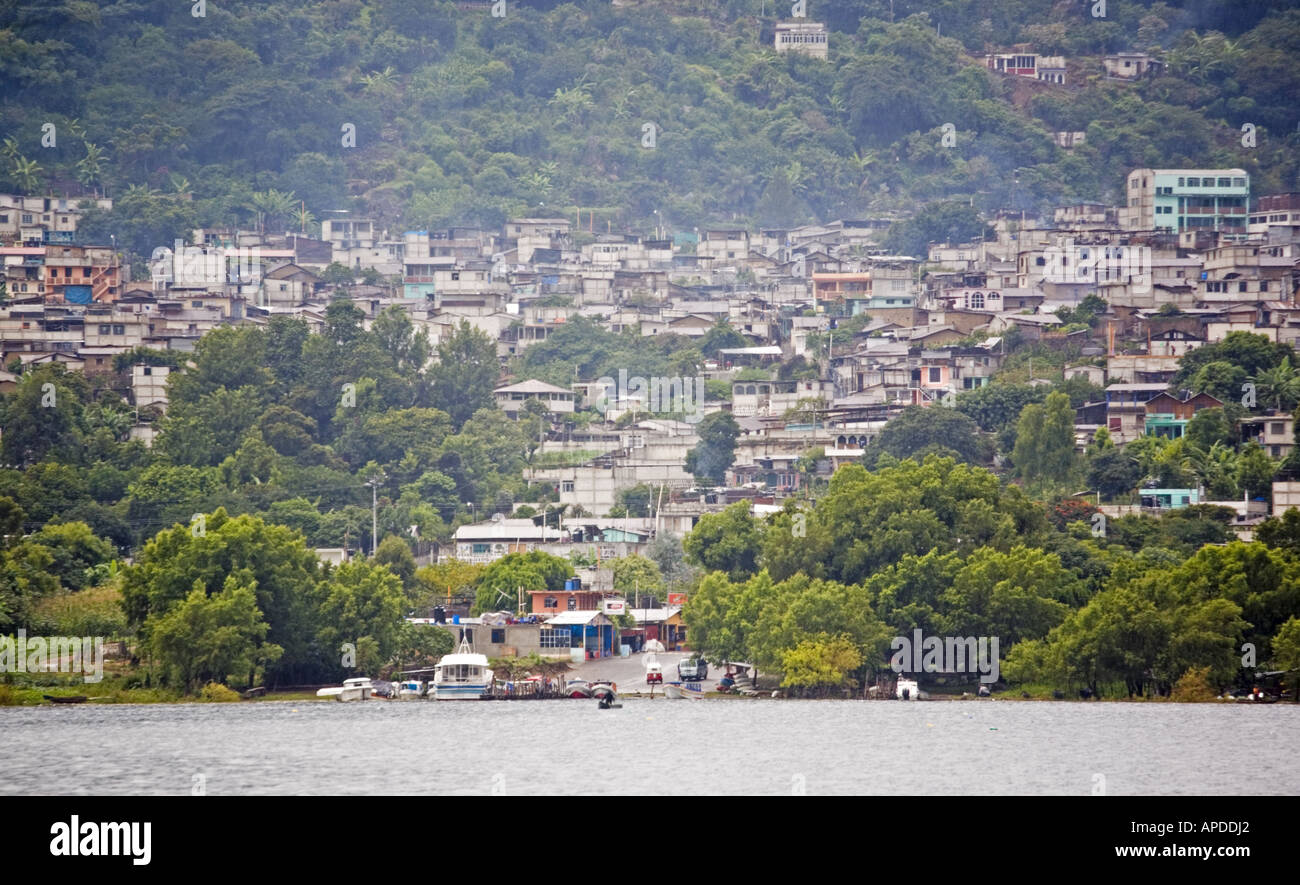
(629, 672)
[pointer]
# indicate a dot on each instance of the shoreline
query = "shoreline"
(36, 697)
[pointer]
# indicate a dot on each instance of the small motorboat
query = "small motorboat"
(55, 699)
(410, 690)
(907, 690)
(577, 688)
(356, 689)
(604, 693)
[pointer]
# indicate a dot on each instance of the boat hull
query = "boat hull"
(460, 692)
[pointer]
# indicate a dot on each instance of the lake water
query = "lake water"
(652, 746)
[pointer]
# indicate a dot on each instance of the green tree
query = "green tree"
(466, 373)
(820, 666)
(1113, 472)
(501, 582)
(211, 638)
(918, 430)
(635, 575)
(1045, 440)
(729, 542)
(270, 559)
(710, 459)
(396, 554)
(1255, 470)
(75, 551)
(43, 416)
(1286, 651)
(362, 604)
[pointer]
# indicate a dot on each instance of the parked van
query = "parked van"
(692, 669)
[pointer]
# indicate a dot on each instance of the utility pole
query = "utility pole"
(374, 483)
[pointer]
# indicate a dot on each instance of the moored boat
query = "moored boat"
(410, 690)
(907, 690)
(357, 689)
(461, 676)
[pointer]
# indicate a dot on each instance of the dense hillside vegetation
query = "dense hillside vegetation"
(462, 117)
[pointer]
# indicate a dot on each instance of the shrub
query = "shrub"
(215, 692)
(1193, 687)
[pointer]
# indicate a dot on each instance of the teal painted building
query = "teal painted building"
(1180, 200)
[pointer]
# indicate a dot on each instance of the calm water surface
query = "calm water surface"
(652, 746)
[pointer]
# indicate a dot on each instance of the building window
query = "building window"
(550, 602)
(498, 636)
(555, 638)
(566, 485)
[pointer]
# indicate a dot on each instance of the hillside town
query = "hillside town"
(1191, 258)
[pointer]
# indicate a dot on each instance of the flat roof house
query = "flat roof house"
(511, 398)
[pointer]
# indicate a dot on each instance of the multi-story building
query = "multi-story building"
(37, 220)
(806, 38)
(346, 234)
(1278, 213)
(724, 245)
(1248, 272)
(1187, 199)
(81, 274)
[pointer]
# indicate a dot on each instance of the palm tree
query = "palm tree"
(180, 184)
(26, 174)
(1215, 468)
(1278, 386)
(271, 205)
(380, 82)
(141, 192)
(865, 163)
(622, 108)
(796, 176)
(306, 220)
(574, 102)
(88, 167)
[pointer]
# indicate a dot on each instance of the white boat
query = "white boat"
(410, 690)
(907, 690)
(461, 676)
(357, 689)
(679, 692)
